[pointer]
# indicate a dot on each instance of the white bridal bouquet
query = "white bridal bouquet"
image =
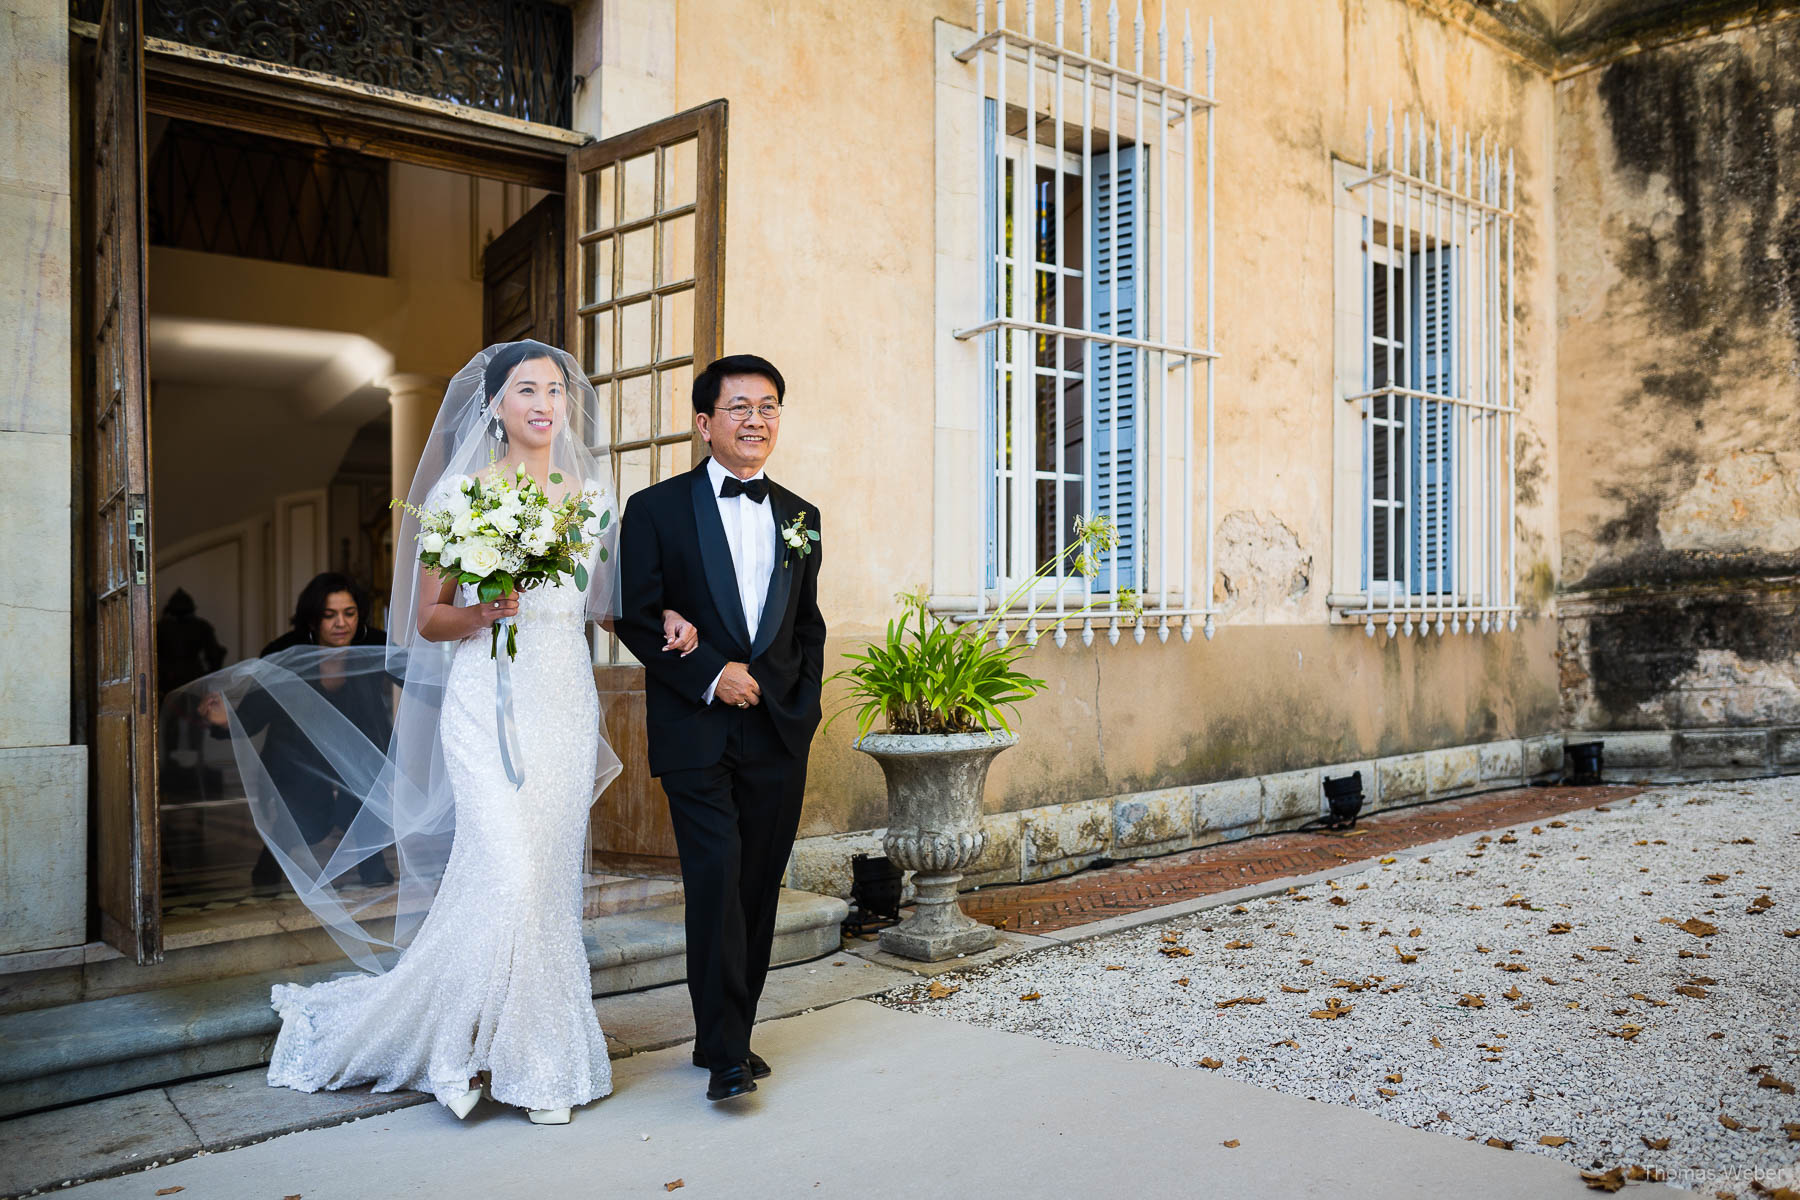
(503, 534)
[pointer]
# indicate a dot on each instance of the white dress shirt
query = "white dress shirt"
(750, 532)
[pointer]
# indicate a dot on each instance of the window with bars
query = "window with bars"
(1432, 398)
(1097, 389)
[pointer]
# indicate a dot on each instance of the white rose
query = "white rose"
(431, 543)
(463, 525)
(449, 554)
(480, 557)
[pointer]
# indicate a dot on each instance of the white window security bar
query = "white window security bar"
(1088, 382)
(1437, 402)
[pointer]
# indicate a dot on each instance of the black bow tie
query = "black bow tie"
(756, 489)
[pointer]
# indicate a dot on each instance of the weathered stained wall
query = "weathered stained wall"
(1678, 200)
(831, 250)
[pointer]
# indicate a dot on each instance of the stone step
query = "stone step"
(70, 1052)
(246, 936)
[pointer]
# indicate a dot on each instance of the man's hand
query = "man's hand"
(212, 710)
(736, 687)
(678, 634)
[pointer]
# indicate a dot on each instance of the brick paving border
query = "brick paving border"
(1138, 884)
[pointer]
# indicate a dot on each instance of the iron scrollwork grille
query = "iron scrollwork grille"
(513, 57)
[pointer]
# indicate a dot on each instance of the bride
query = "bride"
(491, 995)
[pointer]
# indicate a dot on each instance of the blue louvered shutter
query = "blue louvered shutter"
(1433, 498)
(990, 272)
(1120, 312)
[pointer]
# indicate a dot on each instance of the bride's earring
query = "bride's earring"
(498, 431)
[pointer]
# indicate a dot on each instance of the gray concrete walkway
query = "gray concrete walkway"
(870, 1102)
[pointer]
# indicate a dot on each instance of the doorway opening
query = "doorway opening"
(285, 312)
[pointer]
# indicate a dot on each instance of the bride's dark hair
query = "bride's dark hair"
(500, 367)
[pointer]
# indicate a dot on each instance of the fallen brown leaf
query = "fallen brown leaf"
(1604, 1181)
(1032, 996)
(1688, 989)
(1334, 1008)
(1795, 933)
(1729, 1123)
(1553, 1139)
(1340, 901)
(1183, 981)
(1499, 1143)
(1212, 1064)
(1405, 957)
(1436, 1043)
(1477, 1000)
(1241, 1000)
(1112, 967)
(1562, 927)
(1387, 1091)
(1793, 1130)
(170, 1191)
(1513, 993)
(1297, 990)
(673, 1184)
(1177, 951)
(1781, 1085)
(1760, 904)
(1288, 1042)
(1697, 927)
(938, 990)
(1231, 1145)
(1661, 1143)
(1625, 1032)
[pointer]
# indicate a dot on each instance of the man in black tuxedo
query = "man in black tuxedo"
(729, 722)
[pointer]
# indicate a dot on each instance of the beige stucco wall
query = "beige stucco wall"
(832, 252)
(43, 780)
(1679, 223)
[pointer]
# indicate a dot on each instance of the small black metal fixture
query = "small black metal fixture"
(1582, 763)
(1344, 796)
(875, 887)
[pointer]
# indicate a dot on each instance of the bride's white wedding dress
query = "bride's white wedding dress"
(497, 977)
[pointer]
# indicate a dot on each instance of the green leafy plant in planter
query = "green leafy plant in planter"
(932, 675)
(943, 689)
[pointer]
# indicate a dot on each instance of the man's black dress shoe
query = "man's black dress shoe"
(733, 1080)
(758, 1068)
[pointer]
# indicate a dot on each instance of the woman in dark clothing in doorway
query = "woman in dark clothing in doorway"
(332, 613)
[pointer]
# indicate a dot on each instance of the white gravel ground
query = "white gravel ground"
(1534, 1052)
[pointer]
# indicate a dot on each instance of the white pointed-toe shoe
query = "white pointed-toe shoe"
(549, 1116)
(464, 1104)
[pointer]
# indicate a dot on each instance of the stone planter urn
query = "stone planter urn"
(935, 784)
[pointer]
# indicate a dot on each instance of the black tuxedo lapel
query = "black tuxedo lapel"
(715, 556)
(787, 561)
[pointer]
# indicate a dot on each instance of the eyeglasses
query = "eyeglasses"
(740, 413)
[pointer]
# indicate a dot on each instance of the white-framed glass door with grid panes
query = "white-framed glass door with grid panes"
(1426, 439)
(1037, 411)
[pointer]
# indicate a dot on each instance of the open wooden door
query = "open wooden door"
(126, 832)
(522, 278)
(646, 301)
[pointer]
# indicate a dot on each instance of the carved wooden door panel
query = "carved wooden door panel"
(522, 278)
(126, 834)
(646, 301)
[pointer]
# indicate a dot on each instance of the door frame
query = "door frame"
(175, 80)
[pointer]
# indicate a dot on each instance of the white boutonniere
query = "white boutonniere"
(798, 537)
